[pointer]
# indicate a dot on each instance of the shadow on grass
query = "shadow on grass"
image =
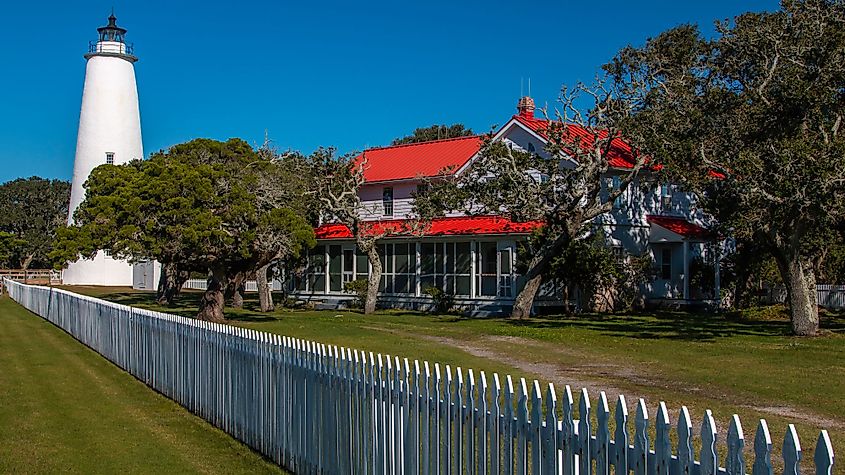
(669, 325)
(683, 326)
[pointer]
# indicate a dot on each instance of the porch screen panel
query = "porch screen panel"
(463, 268)
(400, 266)
(316, 271)
(427, 258)
(488, 261)
(335, 268)
(446, 266)
(505, 279)
(362, 265)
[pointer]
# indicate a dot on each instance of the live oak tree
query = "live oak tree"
(565, 192)
(9, 244)
(336, 182)
(32, 209)
(283, 184)
(751, 121)
(155, 209)
(435, 132)
(198, 206)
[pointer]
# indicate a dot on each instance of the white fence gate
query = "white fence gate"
(315, 408)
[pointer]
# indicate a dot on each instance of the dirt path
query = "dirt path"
(598, 375)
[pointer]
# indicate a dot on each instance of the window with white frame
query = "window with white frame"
(387, 200)
(666, 195)
(666, 263)
(615, 185)
(446, 266)
(109, 158)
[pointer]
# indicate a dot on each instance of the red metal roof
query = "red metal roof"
(460, 226)
(423, 159)
(619, 156)
(679, 226)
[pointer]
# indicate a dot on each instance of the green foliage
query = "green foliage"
(9, 246)
(761, 107)
(443, 301)
(359, 288)
(435, 132)
(200, 204)
(33, 209)
(589, 265)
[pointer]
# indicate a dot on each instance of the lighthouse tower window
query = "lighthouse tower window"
(109, 158)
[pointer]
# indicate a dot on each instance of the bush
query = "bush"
(443, 302)
(359, 288)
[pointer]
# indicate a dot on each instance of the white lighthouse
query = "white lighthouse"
(109, 133)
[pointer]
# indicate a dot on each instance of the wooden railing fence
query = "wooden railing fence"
(32, 276)
(315, 408)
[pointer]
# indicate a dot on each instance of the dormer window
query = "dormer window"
(387, 200)
(109, 158)
(666, 195)
(614, 185)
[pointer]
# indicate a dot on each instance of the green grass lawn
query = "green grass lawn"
(750, 366)
(64, 408)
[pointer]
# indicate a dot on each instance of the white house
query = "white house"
(474, 258)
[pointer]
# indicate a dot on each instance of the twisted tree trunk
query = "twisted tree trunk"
(797, 273)
(375, 276)
(212, 302)
(235, 288)
(170, 283)
(537, 269)
(265, 291)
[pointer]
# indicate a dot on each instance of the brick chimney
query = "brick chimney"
(525, 106)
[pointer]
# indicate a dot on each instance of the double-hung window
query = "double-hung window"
(387, 200)
(109, 158)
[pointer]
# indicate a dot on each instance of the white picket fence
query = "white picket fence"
(828, 296)
(315, 408)
(250, 285)
(831, 296)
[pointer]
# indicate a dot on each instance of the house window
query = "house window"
(615, 184)
(530, 147)
(387, 200)
(666, 195)
(109, 158)
(618, 255)
(666, 264)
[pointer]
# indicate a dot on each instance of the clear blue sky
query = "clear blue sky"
(348, 74)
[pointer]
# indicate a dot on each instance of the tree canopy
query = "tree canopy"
(203, 205)
(435, 132)
(750, 121)
(33, 208)
(564, 189)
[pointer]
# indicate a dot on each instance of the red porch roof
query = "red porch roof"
(679, 226)
(460, 226)
(423, 159)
